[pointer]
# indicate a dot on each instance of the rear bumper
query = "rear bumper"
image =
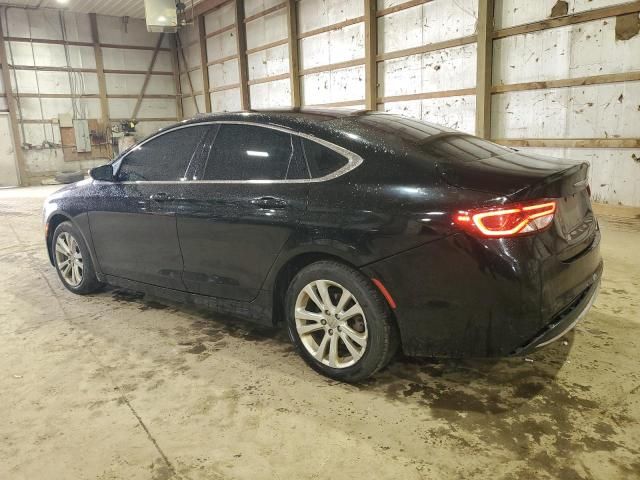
(465, 297)
(566, 319)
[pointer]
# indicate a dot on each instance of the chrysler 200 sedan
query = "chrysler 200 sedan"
(361, 231)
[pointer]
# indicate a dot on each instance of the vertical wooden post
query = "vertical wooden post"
(484, 68)
(241, 39)
(11, 105)
(204, 59)
(370, 53)
(102, 82)
(294, 58)
(176, 77)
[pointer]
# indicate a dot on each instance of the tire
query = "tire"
(348, 344)
(80, 276)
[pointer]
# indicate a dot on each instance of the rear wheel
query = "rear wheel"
(339, 322)
(73, 261)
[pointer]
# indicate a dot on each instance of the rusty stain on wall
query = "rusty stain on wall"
(559, 9)
(627, 26)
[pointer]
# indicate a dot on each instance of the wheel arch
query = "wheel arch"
(289, 269)
(80, 222)
(52, 223)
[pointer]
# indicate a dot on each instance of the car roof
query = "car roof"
(299, 119)
(379, 127)
(315, 114)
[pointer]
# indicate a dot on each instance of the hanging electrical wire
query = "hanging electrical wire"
(45, 139)
(15, 77)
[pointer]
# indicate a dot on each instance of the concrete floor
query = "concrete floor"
(113, 386)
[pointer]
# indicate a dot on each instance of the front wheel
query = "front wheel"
(73, 261)
(339, 322)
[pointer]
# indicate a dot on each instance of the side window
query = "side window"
(322, 160)
(246, 152)
(164, 158)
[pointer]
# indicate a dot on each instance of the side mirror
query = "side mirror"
(103, 173)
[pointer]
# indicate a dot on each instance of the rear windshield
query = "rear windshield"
(465, 148)
(443, 142)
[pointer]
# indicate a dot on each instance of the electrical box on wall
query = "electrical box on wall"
(161, 15)
(83, 138)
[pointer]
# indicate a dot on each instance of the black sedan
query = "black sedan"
(360, 231)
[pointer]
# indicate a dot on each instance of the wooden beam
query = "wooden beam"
(184, 61)
(72, 43)
(102, 81)
(53, 69)
(401, 6)
(146, 95)
(569, 82)
(206, 6)
(147, 77)
(58, 95)
(222, 88)
(333, 66)
(48, 41)
(221, 30)
(329, 28)
(189, 70)
(588, 16)
(241, 43)
(149, 119)
(267, 46)
(273, 78)
(133, 47)
(21, 169)
(570, 142)
(219, 61)
(430, 47)
(370, 53)
(294, 57)
(266, 12)
(176, 77)
(203, 63)
(134, 72)
(89, 95)
(484, 67)
(346, 103)
(427, 95)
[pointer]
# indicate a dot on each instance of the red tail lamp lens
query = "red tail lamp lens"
(508, 220)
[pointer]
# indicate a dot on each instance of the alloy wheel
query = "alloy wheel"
(331, 324)
(69, 259)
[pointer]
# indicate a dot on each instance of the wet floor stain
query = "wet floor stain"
(506, 405)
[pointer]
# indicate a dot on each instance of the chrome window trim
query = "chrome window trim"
(353, 160)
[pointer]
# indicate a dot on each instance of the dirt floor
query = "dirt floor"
(117, 386)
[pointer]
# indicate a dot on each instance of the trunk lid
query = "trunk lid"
(471, 163)
(494, 169)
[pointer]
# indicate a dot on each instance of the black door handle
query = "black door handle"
(269, 202)
(160, 197)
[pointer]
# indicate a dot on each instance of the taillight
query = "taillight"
(507, 220)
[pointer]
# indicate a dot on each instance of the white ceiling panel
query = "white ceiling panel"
(118, 8)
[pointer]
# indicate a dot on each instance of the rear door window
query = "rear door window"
(163, 158)
(322, 160)
(248, 152)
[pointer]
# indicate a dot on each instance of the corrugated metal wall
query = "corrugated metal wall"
(427, 65)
